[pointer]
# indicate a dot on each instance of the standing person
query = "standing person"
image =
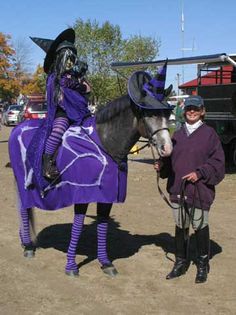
(179, 114)
(67, 102)
(196, 165)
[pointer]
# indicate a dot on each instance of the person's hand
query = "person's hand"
(88, 87)
(192, 177)
(158, 165)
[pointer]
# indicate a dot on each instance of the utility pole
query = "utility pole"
(182, 33)
(178, 82)
(183, 48)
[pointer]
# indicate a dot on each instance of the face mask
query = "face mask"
(79, 69)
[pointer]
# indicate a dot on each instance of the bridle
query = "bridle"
(149, 142)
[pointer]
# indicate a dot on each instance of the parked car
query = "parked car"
(33, 109)
(10, 116)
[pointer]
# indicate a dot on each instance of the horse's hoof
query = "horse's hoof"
(29, 253)
(110, 270)
(72, 273)
(29, 250)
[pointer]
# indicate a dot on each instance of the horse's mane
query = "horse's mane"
(112, 109)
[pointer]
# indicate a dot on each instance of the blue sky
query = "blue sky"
(209, 23)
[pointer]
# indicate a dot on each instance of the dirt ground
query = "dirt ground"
(140, 235)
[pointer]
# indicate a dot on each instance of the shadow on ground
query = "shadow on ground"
(121, 243)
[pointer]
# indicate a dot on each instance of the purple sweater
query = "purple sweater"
(201, 152)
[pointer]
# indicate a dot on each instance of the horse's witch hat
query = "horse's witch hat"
(148, 92)
(63, 40)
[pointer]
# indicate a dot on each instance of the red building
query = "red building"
(222, 75)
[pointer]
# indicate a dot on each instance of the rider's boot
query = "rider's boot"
(50, 170)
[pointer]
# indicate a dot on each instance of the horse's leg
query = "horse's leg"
(26, 242)
(77, 227)
(103, 212)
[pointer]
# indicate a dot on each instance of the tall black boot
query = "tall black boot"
(203, 245)
(50, 170)
(181, 263)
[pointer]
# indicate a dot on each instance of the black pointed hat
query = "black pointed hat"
(148, 92)
(64, 39)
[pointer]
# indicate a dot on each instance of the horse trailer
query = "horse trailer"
(216, 85)
(220, 106)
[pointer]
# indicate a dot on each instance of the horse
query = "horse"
(100, 146)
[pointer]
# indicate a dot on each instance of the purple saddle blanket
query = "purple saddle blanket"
(88, 173)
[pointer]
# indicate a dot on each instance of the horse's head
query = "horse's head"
(154, 125)
(153, 112)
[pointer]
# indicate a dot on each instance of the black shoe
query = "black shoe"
(50, 170)
(180, 267)
(203, 269)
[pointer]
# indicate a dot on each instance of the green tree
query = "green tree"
(99, 46)
(136, 48)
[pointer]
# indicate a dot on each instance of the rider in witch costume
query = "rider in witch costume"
(67, 102)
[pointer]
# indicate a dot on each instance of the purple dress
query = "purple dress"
(76, 107)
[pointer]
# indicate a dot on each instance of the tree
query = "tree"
(136, 48)
(22, 58)
(9, 86)
(37, 84)
(22, 62)
(99, 46)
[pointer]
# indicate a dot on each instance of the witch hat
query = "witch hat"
(51, 47)
(42, 43)
(148, 92)
(158, 82)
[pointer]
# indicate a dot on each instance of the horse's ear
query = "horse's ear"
(168, 90)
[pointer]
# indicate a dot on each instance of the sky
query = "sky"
(209, 25)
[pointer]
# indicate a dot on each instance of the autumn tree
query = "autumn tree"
(37, 84)
(22, 62)
(9, 86)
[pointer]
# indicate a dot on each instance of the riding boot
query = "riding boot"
(202, 262)
(181, 261)
(50, 170)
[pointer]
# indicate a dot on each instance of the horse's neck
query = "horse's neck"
(119, 134)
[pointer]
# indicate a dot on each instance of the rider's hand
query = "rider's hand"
(88, 87)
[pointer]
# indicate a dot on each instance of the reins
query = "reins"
(182, 204)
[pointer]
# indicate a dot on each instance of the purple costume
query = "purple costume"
(202, 152)
(88, 173)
